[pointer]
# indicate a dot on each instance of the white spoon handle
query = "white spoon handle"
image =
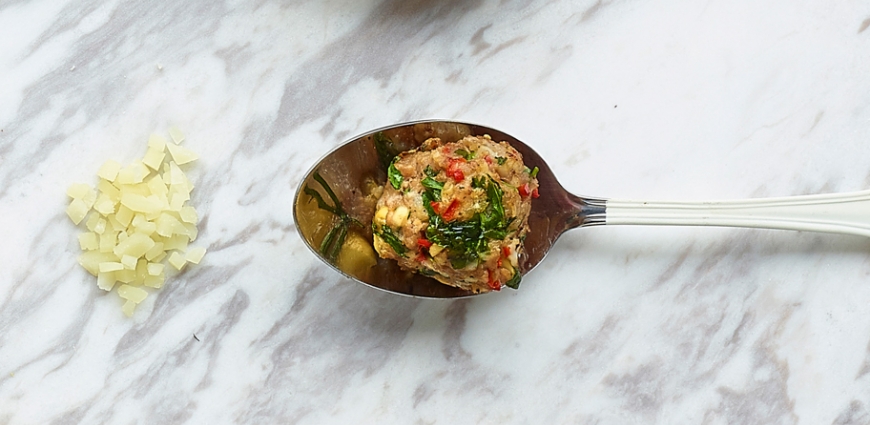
(847, 213)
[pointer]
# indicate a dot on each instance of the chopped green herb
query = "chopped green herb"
(501, 160)
(430, 172)
(320, 202)
(394, 176)
(534, 172)
(386, 233)
(431, 192)
(466, 240)
(434, 185)
(478, 182)
(386, 149)
(514, 281)
(334, 239)
(331, 245)
(465, 154)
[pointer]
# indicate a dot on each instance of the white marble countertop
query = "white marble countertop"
(672, 99)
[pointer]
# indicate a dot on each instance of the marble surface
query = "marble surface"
(671, 99)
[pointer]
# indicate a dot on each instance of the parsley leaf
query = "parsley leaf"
(386, 233)
(465, 154)
(514, 281)
(434, 185)
(394, 176)
(501, 160)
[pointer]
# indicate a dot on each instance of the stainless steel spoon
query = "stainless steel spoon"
(355, 164)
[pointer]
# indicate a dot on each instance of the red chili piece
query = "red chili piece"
(421, 256)
(453, 170)
(492, 283)
(524, 190)
(451, 210)
(425, 243)
(535, 193)
(505, 251)
(498, 263)
(435, 207)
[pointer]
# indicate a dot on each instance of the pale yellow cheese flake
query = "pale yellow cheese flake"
(78, 190)
(194, 255)
(128, 261)
(181, 154)
(157, 186)
(125, 276)
(88, 241)
(107, 188)
(108, 241)
(124, 215)
(136, 245)
(91, 222)
(77, 210)
(154, 252)
(188, 215)
(104, 205)
(168, 225)
(128, 308)
(139, 203)
(110, 266)
(155, 281)
(153, 158)
(106, 281)
(157, 142)
(109, 170)
(132, 293)
(91, 260)
(177, 243)
(155, 269)
(177, 260)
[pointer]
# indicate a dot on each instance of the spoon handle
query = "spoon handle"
(847, 213)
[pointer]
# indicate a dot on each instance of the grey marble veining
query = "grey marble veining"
(628, 99)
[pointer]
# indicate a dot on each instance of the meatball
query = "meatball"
(457, 212)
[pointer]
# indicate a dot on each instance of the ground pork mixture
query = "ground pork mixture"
(457, 212)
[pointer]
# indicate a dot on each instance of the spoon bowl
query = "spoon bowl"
(353, 168)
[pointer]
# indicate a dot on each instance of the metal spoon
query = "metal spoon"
(355, 164)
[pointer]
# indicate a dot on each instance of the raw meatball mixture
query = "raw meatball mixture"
(457, 212)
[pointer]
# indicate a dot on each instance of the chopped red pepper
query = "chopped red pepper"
(425, 243)
(492, 283)
(451, 210)
(435, 207)
(488, 159)
(421, 256)
(453, 170)
(535, 193)
(524, 190)
(505, 251)
(498, 263)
